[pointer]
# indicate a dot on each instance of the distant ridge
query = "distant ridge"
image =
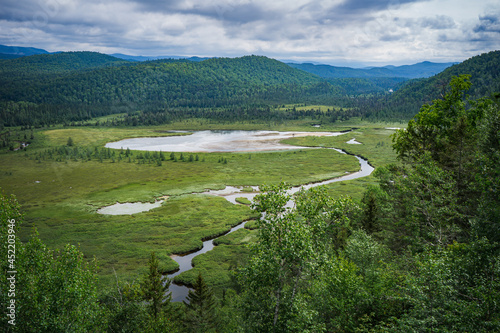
(12, 52)
(21, 51)
(484, 70)
(419, 70)
(147, 58)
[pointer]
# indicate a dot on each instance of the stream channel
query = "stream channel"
(229, 141)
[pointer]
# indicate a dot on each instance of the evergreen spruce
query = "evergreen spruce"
(155, 289)
(200, 315)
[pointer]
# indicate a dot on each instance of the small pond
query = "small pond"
(216, 141)
(129, 208)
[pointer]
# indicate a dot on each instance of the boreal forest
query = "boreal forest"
(415, 247)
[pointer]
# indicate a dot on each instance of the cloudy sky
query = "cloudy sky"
(337, 32)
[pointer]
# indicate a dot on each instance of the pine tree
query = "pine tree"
(155, 288)
(201, 305)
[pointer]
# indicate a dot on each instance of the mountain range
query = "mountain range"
(43, 89)
(419, 70)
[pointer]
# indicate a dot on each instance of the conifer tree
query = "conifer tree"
(155, 288)
(201, 305)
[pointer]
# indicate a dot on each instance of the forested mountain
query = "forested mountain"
(50, 64)
(406, 102)
(420, 70)
(368, 86)
(72, 86)
(80, 85)
(9, 52)
(374, 80)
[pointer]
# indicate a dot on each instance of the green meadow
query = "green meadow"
(61, 188)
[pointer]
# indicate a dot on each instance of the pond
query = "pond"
(129, 208)
(216, 141)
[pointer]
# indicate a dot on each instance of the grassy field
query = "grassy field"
(60, 196)
(217, 265)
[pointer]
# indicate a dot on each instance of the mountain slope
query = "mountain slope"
(485, 78)
(21, 51)
(92, 84)
(419, 70)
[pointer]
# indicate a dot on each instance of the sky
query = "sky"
(352, 33)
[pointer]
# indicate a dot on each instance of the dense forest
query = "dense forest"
(419, 253)
(40, 89)
(68, 87)
(72, 86)
(406, 102)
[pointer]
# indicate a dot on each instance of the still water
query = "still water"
(216, 141)
(228, 141)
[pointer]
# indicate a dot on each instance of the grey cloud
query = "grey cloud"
(391, 37)
(20, 11)
(488, 23)
(239, 14)
(369, 6)
(224, 11)
(438, 22)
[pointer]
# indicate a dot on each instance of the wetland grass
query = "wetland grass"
(60, 198)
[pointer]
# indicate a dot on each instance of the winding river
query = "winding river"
(229, 141)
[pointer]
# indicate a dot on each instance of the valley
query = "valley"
(130, 181)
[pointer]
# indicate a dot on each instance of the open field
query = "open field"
(60, 194)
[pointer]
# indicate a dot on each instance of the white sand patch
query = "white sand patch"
(353, 142)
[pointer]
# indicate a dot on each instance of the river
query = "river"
(229, 141)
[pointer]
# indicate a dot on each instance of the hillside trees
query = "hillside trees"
(201, 305)
(423, 255)
(446, 134)
(441, 214)
(54, 291)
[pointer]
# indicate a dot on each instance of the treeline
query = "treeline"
(71, 152)
(233, 114)
(362, 87)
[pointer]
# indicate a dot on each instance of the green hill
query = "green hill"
(406, 102)
(79, 85)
